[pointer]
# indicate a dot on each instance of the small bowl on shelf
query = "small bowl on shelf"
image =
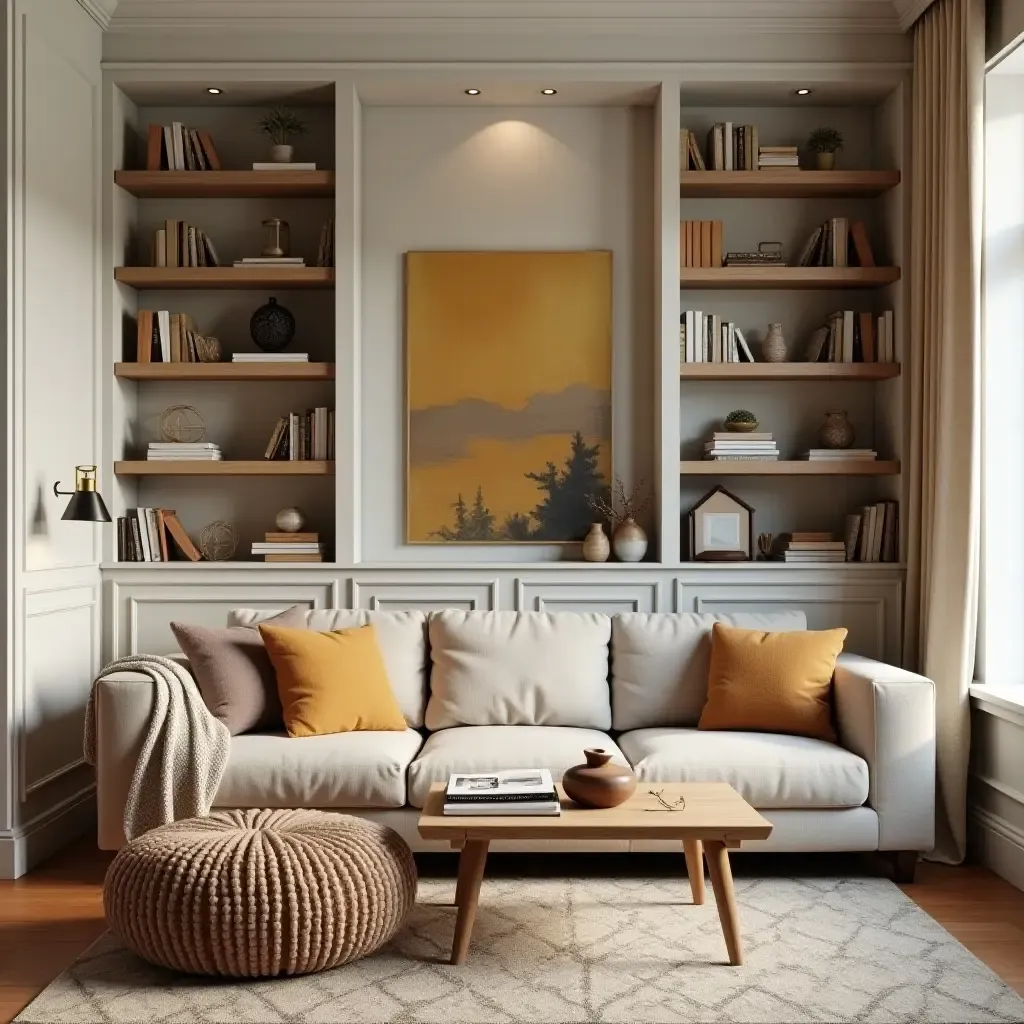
(740, 421)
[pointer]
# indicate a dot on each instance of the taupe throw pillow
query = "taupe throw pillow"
(234, 673)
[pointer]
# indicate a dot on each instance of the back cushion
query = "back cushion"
(402, 637)
(660, 663)
(519, 668)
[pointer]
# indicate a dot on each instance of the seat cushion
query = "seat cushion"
(483, 748)
(351, 769)
(767, 769)
(403, 645)
(519, 668)
(660, 663)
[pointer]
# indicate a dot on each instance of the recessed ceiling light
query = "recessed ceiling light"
(214, 91)
(549, 92)
(472, 92)
(803, 92)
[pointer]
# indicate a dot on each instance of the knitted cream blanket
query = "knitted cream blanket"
(183, 755)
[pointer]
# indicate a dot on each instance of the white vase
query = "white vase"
(282, 154)
(629, 542)
(596, 547)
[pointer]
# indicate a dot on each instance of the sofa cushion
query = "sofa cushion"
(769, 770)
(660, 663)
(351, 769)
(403, 644)
(484, 748)
(519, 668)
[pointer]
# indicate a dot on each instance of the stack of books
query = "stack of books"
(706, 338)
(515, 791)
(265, 165)
(851, 337)
(173, 147)
(831, 243)
(307, 436)
(270, 261)
(840, 454)
(700, 243)
(745, 447)
(732, 147)
(270, 357)
(811, 547)
(183, 451)
(153, 535)
(873, 533)
(289, 547)
(769, 157)
(178, 244)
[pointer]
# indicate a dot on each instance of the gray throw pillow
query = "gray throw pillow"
(234, 673)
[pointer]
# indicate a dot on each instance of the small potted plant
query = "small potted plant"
(281, 125)
(824, 143)
(741, 421)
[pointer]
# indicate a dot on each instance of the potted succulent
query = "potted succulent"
(281, 125)
(824, 143)
(741, 421)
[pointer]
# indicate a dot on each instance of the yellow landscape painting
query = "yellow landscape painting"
(509, 394)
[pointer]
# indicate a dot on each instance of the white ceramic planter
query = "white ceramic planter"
(282, 154)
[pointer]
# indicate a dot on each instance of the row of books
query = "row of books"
(753, 447)
(166, 337)
(175, 147)
(183, 451)
(153, 535)
(325, 250)
(706, 338)
(178, 244)
(515, 791)
(700, 243)
(851, 337)
(733, 147)
(289, 547)
(873, 534)
(834, 242)
(301, 437)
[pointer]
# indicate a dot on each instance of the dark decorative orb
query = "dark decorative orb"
(272, 327)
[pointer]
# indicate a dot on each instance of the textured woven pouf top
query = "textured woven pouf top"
(260, 893)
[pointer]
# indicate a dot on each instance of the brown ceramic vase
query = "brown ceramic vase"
(600, 782)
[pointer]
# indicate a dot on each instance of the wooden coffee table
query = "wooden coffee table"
(713, 819)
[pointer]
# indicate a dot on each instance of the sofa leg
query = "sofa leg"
(904, 864)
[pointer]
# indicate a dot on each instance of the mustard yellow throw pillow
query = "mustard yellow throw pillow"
(772, 682)
(331, 682)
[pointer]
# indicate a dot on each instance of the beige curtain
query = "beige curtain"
(944, 363)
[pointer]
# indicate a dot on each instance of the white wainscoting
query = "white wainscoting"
(467, 595)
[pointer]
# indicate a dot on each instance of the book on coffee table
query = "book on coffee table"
(513, 791)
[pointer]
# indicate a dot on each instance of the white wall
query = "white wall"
(499, 178)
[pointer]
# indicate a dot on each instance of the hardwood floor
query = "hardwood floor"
(51, 915)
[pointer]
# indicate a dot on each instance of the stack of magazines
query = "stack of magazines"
(515, 791)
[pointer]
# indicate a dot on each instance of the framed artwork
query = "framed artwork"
(720, 528)
(508, 378)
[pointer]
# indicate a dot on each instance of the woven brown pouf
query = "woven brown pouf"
(259, 893)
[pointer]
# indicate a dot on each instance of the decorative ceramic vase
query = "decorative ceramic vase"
(290, 520)
(629, 542)
(825, 161)
(773, 348)
(837, 431)
(282, 154)
(272, 327)
(596, 547)
(600, 782)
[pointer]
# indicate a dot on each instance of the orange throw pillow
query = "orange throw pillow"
(772, 682)
(331, 682)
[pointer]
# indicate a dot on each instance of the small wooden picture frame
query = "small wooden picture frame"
(720, 528)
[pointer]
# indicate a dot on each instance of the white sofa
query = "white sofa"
(484, 690)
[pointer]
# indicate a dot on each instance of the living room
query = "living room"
(619, 393)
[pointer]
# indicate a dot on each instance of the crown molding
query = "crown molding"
(910, 10)
(101, 11)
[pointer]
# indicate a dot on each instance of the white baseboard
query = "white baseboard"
(999, 845)
(24, 847)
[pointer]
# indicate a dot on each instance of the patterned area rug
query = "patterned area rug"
(619, 951)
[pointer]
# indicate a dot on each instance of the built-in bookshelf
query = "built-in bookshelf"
(221, 372)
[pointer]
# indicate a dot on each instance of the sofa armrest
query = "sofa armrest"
(887, 716)
(123, 707)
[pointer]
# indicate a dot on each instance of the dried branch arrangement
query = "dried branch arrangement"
(629, 505)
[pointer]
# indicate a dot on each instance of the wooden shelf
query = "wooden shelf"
(796, 467)
(253, 467)
(785, 184)
(157, 278)
(789, 371)
(787, 277)
(224, 371)
(281, 184)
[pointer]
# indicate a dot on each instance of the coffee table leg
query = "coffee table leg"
(721, 881)
(693, 850)
(472, 861)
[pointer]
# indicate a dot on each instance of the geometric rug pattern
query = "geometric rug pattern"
(610, 950)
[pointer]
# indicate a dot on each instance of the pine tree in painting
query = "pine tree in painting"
(565, 513)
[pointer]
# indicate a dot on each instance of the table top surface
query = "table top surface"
(700, 810)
